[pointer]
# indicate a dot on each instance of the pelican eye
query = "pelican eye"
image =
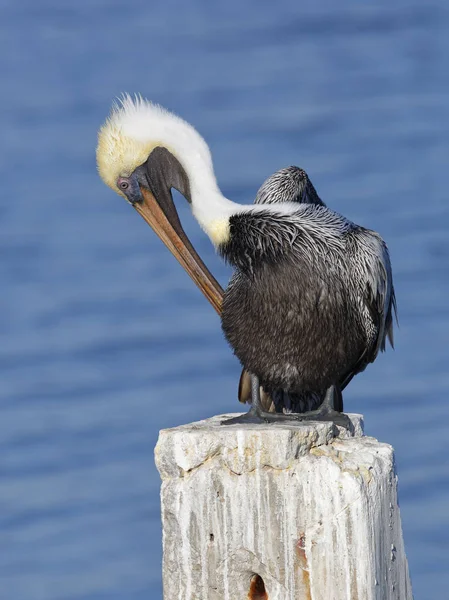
(123, 185)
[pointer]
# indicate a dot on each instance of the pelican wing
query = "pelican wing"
(380, 297)
(377, 295)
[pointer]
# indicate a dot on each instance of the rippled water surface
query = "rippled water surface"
(104, 340)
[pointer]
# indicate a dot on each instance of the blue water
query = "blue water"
(105, 340)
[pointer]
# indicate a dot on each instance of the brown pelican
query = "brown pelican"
(311, 300)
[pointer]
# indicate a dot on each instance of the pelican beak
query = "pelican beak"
(174, 237)
(155, 205)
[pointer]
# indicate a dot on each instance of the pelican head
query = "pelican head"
(143, 152)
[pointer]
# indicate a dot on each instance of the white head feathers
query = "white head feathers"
(135, 127)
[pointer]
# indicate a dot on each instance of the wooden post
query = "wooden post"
(279, 512)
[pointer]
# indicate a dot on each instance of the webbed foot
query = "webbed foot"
(326, 412)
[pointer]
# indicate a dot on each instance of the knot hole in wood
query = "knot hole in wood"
(257, 589)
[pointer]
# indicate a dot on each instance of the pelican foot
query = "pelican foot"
(252, 416)
(256, 414)
(330, 410)
(327, 415)
(326, 412)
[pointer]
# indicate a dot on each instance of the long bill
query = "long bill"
(174, 237)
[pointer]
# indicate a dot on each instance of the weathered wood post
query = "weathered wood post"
(279, 512)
